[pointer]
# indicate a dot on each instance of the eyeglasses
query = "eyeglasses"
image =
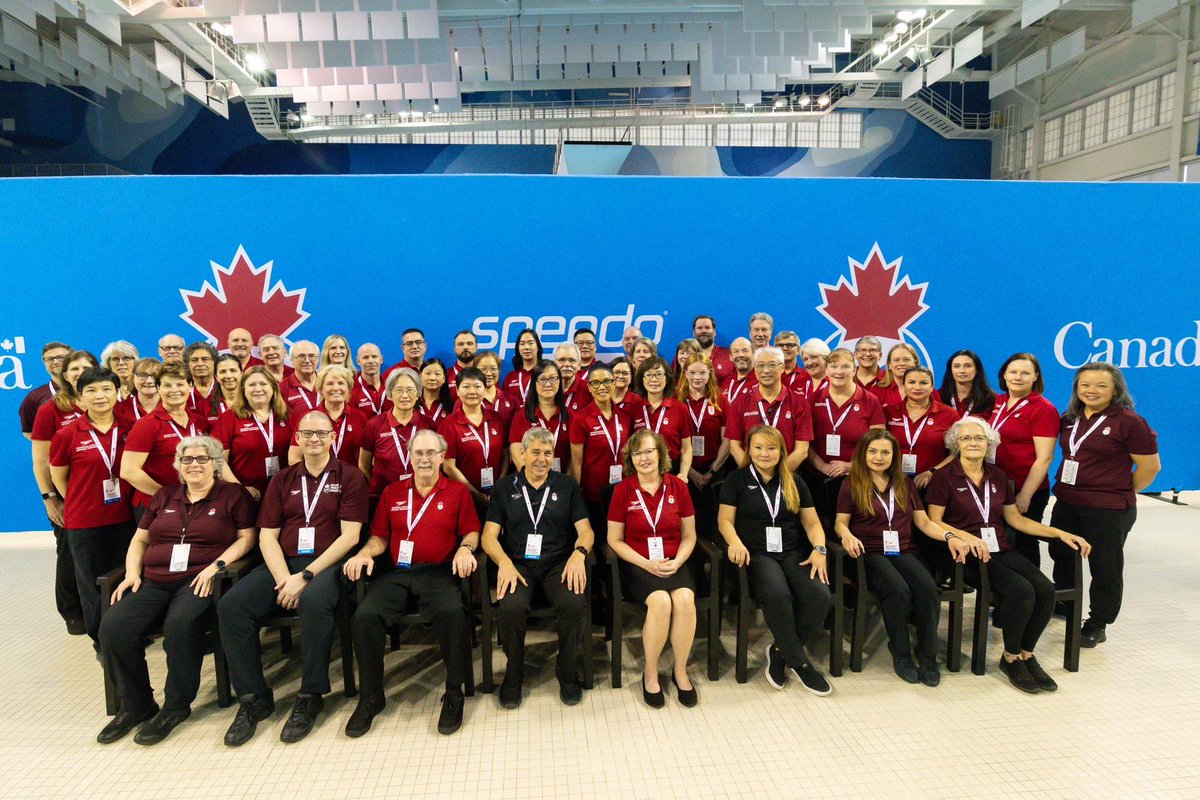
(601, 383)
(772, 365)
(548, 380)
(413, 343)
(322, 435)
(404, 390)
(644, 453)
(585, 342)
(122, 359)
(787, 345)
(54, 359)
(145, 376)
(868, 350)
(171, 348)
(304, 357)
(201, 460)
(426, 455)
(968, 439)
(657, 375)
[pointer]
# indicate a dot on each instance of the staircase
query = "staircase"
(264, 113)
(948, 119)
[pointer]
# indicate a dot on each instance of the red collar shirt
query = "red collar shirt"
(923, 439)
(1030, 416)
(435, 523)
(517, 383)
(799, 381)
(299, 399)
(734, 387)
(157, 435)
(129, 411)
(402, 364)
(474, 448)
(638, 511)
(348, 430)
(49, 420)
(83, 449)
(505, 407)
(708, 423)
(849, 422)
(250, 443)
(339, 494)
(602, 440)
(367, 399)
(789, 414)
(670, 420)
(33, 401)
(387, 442)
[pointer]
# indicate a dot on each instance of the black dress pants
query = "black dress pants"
(94, 552)
(1106, 529)
(1025, 598)
(794, 605)
(1026, 545)
(570, 610)
(905, 588)
(66, 587)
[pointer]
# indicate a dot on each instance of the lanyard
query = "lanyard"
(179, 433)
(842, 418)
(1075, 445)
(53, 389)
(541, 508)
(485, 442)
(110, 457)
(615, 447)
(653, 523)
(401, 451)
(413, 523)
(735, 387)
(137, 408)
(304, 396)
(366, 390)
(542, 423)
(267, 432)
(1000, 417)
(954, 402)
(890, 506)
(662, 415)
(774, 423)
(340, 438)
(985, 507)
(910, 437)
(698, 420)
(773, 510)
(309, 508)
(523, 388)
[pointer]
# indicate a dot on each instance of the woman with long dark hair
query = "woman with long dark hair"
(436, 401)
(526, 356)
(544, 408)
(965, 385)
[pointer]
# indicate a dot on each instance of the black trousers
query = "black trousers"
(1025, 598)
(439, 601)
(1026, 545)
(705, 503)
(793, 604)
(570, 610)
(94, 552)
(185, 620)
(905, 588)
(66, 588)
(1106, 529)
(252, 600)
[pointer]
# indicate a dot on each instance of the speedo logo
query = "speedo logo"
(500, 334)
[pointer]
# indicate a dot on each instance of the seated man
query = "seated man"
(310, 519)
(537, 531)
(429, 525)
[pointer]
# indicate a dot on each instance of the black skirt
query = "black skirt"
(637, 583)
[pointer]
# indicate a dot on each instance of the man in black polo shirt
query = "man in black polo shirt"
(309, 521)
(537, 532)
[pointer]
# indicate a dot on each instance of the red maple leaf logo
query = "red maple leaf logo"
(874, 302)
(243, 298)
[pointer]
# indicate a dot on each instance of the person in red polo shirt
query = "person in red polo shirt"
(149, 460)
(272, 350)
(427, 525)
(299, 389)
(585, 340)
(705, 406)
(704, 330)
(349, 424)
(437, 400)
(386, 456)
(255, 433)
(1109, 455)
(528, 353)
(624, 398)
(475, 451)
(663, 414)
(466, 347)
(762, 328)
(867, 352)
(495, 400)
(240, 343)
(574, 385)
(890, 389)
(919, 425)
(310, 519)
(597, 436)
(543, 409)
(229, 383)
(741, 354)
(187, 536)
(201, 361)
(965, 385)
(794, 376)
(84, 459)
(368, 395)
(145, 397)
(53, 355)
(767, 402)
(413, 344)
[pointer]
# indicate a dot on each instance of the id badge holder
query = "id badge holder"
(833, 445)
(614, 474)
(891, 543)
(908, 463)
(990, 458)
(556, 465)
(306, 541)
(486, 478)
(272, 465)
(774, 539)
(654, 545)
(1070, 472)
(697, 446)
(112, 491)
(533, 546)
(989, 536)
(404, 560)
(179, 557)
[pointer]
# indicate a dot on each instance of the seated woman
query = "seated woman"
(654, 547)
(974, 496)
(763, 509)
(184, 540)
(877, 508)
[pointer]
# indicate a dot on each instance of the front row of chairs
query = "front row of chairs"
(714, 572)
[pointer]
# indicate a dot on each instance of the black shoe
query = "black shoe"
(1018, 675)
(653, 699)
(510, 690)
(929, 673)
(251, 711)
(906, 668)
(1092, 634)
(812, 679)
(570, 693)
(161, 725)
(687, 697)
(303, 718)
(450, 720)
(776, 670)
(125, 721)
(366, 711)
(76, 627)
(1044, 681)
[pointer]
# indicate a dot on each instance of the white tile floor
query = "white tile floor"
(1127, 725)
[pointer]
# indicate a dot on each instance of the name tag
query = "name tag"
(272, 465)
(533, 546)
(697, 446)
(556, 465)
(404, 560)
(112, 491)
(655, 545)
(891, 543)
(614, 474)
(179, 557)
(989, 536)
(833, 444)
(774, 539)
(908, 464)
(306, 541)
(1070, 471)
(486, 478)
(991, 459)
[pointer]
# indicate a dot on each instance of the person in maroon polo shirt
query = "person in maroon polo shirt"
(526, 356)
(272, 350)
(49, 419)
(499, 402)
(229, 384)
(795, 376)
(919, 425)
(544, 408)
(965, 385)
(368, 395)
(867, 352)
(299, 389)
(890, 389)
(629, 337)
(186, 537)
(574, 387)
(741, 355)
(414, 345)
(427, 525)
(1109, 455)
(466, 347)
(53, 355)
(255, 433)
(768, 402)
(585, 340)
(84, 459)
(814, 353)
(145, 397)
(310, 519)
(240, 343)
(663, 414)
(878, 508)
(386, 456)
(642, 349)
(475, 453)
(973, 498)
(437, 401)
(686, 347)
(704, 329)
(201, 361)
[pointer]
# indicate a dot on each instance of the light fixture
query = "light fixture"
(781, 102)
(369, 117)
(805, 101)
(904, 16)
(901, 28)
(879, 49)
(823, 101)
(255, 61)
(306, 117)
(891, 37)
(293, 118)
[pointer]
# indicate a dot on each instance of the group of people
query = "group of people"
(180, 465)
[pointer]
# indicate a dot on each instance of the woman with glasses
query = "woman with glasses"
(867, 353)
(526, 356)
(254, 433)
(495, 399)
(544, 408)
(814, 353)
(622, 395)
(145, 392)
(890, 390)
(663, 414)
(597, 435)
(187, 536)
(385, 456)
(475, 451)
(119, 356)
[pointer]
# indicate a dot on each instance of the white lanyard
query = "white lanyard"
(774, 423)
(366, 390)
(773, 510)
(304, 396)
(110, 457)
(698, 420)
(53, 389)
(890, 506)
(910, 437)
(615, 447)
(1000, 417)
(735, 388)
(338, 440)
(137, 408)
(985, 507)
(309, 508)
(954, 402)
(842, 418)
(268, 432)
(523, 388)
(400, 451)
(1075, 445)
(179, 433)
(485, 442)
(413, 523)
(662, 414)
(557, 428)
(653, 523)
(541, 509)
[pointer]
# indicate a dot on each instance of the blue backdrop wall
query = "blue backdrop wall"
(1052, 268)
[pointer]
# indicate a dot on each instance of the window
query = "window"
(1052, 139)
(1166, 98)
(1093, 124)
(762, 135)
(806, 133)
(1194, 82)
(695, 135)
(851, 130)
(1118, 115)
(830, 128)
(672, 134)
(1145, 106)
(1072, 132)
(1027, 149)
(739, 135)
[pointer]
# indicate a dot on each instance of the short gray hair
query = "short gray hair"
(404, 372)
(118, 348)
(537, 434)
(562, 348)
(295, 344)
(212, 447)
(814, 347)
(425, 432)
(786, 335)
(773, 352)
(764, 316)
(993, 435)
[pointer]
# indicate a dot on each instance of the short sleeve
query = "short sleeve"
(731, 490)
(845, 503)
(937, 493)
(802, 428)
(141, 436)
(270, 513)
(806, 499)
(243, 509)
(353, 505)
(875, 411)
(496, 512)
(733, 422)
(223, 429)
(1045, 420)
(468, 520)
(446, 429)
(43, 423)
(579, 510)
(1141, 439)
(60, 447)
(680, 490)
(578, 429)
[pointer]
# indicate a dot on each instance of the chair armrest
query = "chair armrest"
(239, 568)
(106, 584)
(710, 550)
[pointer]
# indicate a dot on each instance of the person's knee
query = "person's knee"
(115, 630)
(683, 601)
(658, 605)
(513, 607)
(572, 606)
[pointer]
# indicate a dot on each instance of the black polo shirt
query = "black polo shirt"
(741, 491)
(564, 508)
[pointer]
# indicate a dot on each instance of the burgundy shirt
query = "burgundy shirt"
(734, 387)
(367, 399)
(1104, 478)
(951, 488)
(1030, 416)
(49, 420)
(790, 414)
(387, 442)
(517, 383)
(129, 411)
(157, 435)
(869, 529)
(299, 399)
(84, 505)
(246, 443)
(861, 411)
(670, 420)
(209, 525)
(343, 498)
(448, 517)
(627, 505)
(348, 431)
(32, 402)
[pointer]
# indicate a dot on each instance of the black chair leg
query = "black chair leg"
(615, 625)
(741, 657)
(954, 635)
(858, 632)
(983, 607)
(714, 640)
(285, 640)
(1075, 619)
(485, 648)
(343, 616)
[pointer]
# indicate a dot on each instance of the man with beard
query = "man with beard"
(704, 330)
(575, 393)
(466, 346)
(741, 354)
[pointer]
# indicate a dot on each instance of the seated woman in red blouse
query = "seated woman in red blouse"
(189, 532)
(877, 509)
(652, 529)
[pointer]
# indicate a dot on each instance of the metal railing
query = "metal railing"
(59, 170)
(969, 121)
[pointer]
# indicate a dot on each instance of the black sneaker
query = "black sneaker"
(76, 627)
(906, 668)
(1044, 681)
(510, 692)
(161, 725)
(450, 720)
(1018, 675)
(126, 720)
(251, 711)
(302, 719)
(929, 673)
(812, 679)
(776, 670)
(1092, 634)
(570, 693)
(366, 711)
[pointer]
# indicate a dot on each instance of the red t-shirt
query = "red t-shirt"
(209, 526)
(73, 447)
(671, 421)
(799, 381)
(367, 399)
(925, 436)
(850, 421)
(517, 383)
(504, 407)
(734, 387)
(157, 435)
(299, 399)
(952, 489)
(403, 364)
(631, 505)
(708, 423)
(869, 529)
(387, 442)
(1104, 478)
(474, 447)
(441, 519)
(886, 395)
(348, 430)
(556, 426)
(602, 440)
(246, 442)
(790, 414)
(49, 420)
(1031, 416)
(342, 497)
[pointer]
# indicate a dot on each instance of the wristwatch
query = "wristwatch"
(307, 575)
(581, 549)
(220, 565)
(48, 495)
(950, 535)
(469, 548)
(821, 549)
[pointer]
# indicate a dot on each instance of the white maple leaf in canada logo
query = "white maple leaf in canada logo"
(243, 297)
